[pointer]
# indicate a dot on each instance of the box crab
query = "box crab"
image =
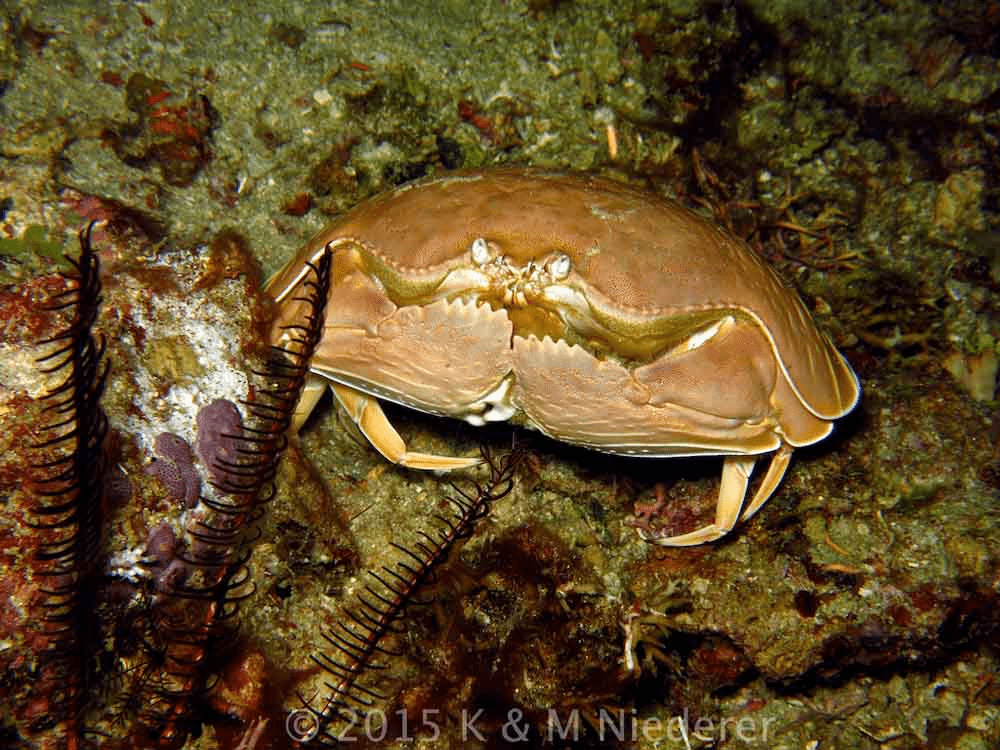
(597, 314)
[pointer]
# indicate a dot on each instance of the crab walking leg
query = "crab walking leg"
(374, 425)
(775, 473)
(312, 391)
(735, 479)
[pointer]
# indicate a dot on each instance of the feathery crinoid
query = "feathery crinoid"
(358, 642)
(68, 482)
(272, 407)
(195, 612)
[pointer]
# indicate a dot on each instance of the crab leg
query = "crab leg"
(374, 425)
(735, 479)
(312, 391)
(775, 473)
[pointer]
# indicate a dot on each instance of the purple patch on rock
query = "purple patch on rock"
(219, 439)
(161, 543)
(174, 575)
(174, 466)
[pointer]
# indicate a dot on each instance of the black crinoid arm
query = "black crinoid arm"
(67, 483)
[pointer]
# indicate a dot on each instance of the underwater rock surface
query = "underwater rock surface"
(856, 150)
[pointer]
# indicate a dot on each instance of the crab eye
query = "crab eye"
(480, 251)
(559, 267)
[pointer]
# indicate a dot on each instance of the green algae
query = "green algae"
(33, 241)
